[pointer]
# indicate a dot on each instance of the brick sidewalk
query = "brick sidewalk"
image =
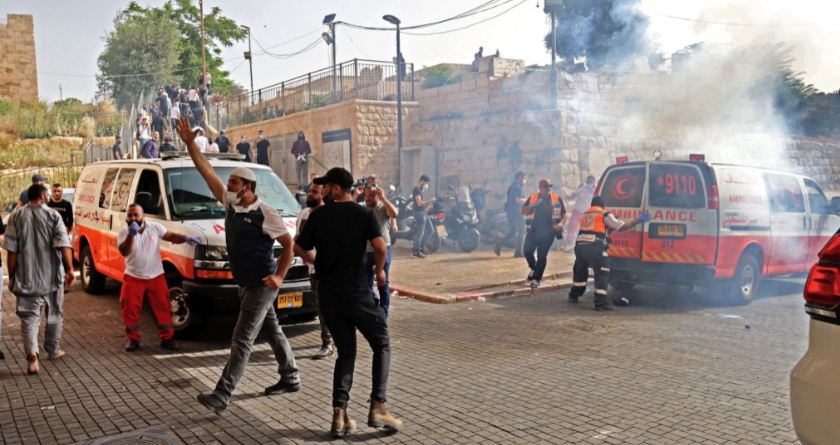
(511, 371)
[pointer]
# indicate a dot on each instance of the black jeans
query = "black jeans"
(515, 232)
(540, 243)
(345, 314)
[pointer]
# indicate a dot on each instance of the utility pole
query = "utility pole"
(203, 58)
(250, 57)
(60, 92)
(395, 21)
(553, 60)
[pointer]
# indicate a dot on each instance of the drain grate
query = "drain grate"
(145, 436)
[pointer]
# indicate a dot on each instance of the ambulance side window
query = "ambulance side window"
(623, 187)
(785, 194)
(679, 186)
(107, 188)
(122, 188)
(816, 199)
(148, 193)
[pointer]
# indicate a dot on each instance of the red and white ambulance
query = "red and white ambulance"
(713, 223)
(172, 193)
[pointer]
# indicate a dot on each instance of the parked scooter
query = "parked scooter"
(406, 223)
(460, 219)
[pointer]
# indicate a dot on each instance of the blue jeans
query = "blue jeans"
(384, 291)
(420, 221)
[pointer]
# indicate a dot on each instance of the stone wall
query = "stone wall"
(18, 72)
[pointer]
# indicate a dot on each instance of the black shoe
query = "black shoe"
(2, 356)
(530, 275)
(282, 388)
(169, 344)
(132, 346)
(604, 307)
(498, 248)
(418, 255)
(573, 300)
(211, 402)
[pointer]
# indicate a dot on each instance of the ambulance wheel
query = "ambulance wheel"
(93, 282)
(745, 283)
(182, 314)
(469, 240)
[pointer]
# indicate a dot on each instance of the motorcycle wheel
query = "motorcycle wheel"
(469, 240)
(432, 243)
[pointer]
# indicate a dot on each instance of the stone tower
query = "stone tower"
(18, 73)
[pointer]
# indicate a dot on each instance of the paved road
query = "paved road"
(671, 369)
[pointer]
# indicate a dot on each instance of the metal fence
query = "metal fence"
(354, 79)
(66, 174)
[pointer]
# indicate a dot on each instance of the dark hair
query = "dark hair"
(35, 192)
(598, 201)
(425, 178)
(519, 174)
(56, 185)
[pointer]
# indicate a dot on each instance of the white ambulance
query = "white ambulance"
(173, 193)
(713, 223)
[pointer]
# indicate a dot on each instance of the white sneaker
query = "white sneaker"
(534, 284)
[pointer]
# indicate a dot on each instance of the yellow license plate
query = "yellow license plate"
(441, 230)
(290, 300)
(670, 230)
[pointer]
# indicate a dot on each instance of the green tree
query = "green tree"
(140, 53)
(219, 31)
(603, 32)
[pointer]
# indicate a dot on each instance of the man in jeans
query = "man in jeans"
(40, 267)
(384, 212)
(421, 206)
(251, 227)
(340, 231)
(313, 201)
(545, 213)
(513, 206)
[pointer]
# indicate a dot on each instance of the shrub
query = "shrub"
(438, 76)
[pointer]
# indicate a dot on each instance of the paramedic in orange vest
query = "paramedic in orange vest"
(591, 251)
(545, 214)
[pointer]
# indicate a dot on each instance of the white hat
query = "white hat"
(198, 129)
(244, 173)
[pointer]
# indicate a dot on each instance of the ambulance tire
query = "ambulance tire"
(745, 284)
(93, 282)
(183, 318)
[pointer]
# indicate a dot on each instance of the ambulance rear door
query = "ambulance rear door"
(684, 226)
(622, 188)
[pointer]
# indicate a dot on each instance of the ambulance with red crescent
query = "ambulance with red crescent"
(717, 224)
(172, 193)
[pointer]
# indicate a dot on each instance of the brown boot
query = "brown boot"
(379, 417)
(342, 424)
(34, 366)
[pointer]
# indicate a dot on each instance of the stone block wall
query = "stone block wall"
(18, 72)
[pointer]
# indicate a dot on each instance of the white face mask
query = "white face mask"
(233, 197)
(425, 186)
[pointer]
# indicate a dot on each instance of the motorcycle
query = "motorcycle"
(460, 219)
(406, 223)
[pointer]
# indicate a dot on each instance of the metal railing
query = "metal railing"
(354, 79)
(66, 174)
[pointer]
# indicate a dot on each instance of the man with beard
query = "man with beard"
(139, 243)
(340, 232)
(251, 227)
(313, 201)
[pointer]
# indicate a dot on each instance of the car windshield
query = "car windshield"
(190, 197)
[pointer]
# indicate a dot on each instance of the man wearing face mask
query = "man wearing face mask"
(139, 243)
(421, 207)
(583, 197)
(251, 228)
(301, 151)
(340, 231)
(313, 201)
(516, 232)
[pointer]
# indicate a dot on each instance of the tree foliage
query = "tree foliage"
(601, 33)
(438, 76)
(184, 17)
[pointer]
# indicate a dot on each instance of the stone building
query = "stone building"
(18, 72)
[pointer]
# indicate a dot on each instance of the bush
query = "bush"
(438, 76)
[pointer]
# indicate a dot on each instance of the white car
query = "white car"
(815, 381)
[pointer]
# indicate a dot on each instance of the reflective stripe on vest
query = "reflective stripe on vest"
(592, 222)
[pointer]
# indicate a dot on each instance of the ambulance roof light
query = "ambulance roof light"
(696, 157)
(622, 159)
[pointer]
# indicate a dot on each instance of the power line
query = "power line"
(306, 48)
(316, 31)
(752, 25)
(357, 46)
(487, 6)
(466, 26)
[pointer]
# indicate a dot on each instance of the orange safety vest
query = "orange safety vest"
(592, 222)
(556, 208)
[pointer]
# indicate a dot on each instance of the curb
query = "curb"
(485, 292)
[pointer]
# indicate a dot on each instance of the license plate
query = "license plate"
(441, 230)
(290, 300)
(670, 230)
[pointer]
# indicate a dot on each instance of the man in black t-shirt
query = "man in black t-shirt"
(223, 142)
(340, 231)
(263, 156)
(244, 148)
(421, 206)
(117, 149)
(62, 206)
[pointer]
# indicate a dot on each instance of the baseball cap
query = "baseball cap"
(545, 183)
(38, 178)
(337, 176)
(244, 173)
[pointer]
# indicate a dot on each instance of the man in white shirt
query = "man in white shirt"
(583, 197)
(201, 140)
(139, 243)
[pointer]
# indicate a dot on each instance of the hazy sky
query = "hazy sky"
(68, 34)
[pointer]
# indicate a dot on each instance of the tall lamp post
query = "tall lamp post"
(329, 20)
(395, 21)
(250, 58)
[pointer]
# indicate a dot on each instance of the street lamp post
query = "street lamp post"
(395, 21)
(329, 20)
(250, 58)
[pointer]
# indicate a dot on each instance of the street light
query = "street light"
(329, 20)
(250, 58)
(395, 21)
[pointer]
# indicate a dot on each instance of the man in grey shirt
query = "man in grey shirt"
(384, 212)
(40, 267)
